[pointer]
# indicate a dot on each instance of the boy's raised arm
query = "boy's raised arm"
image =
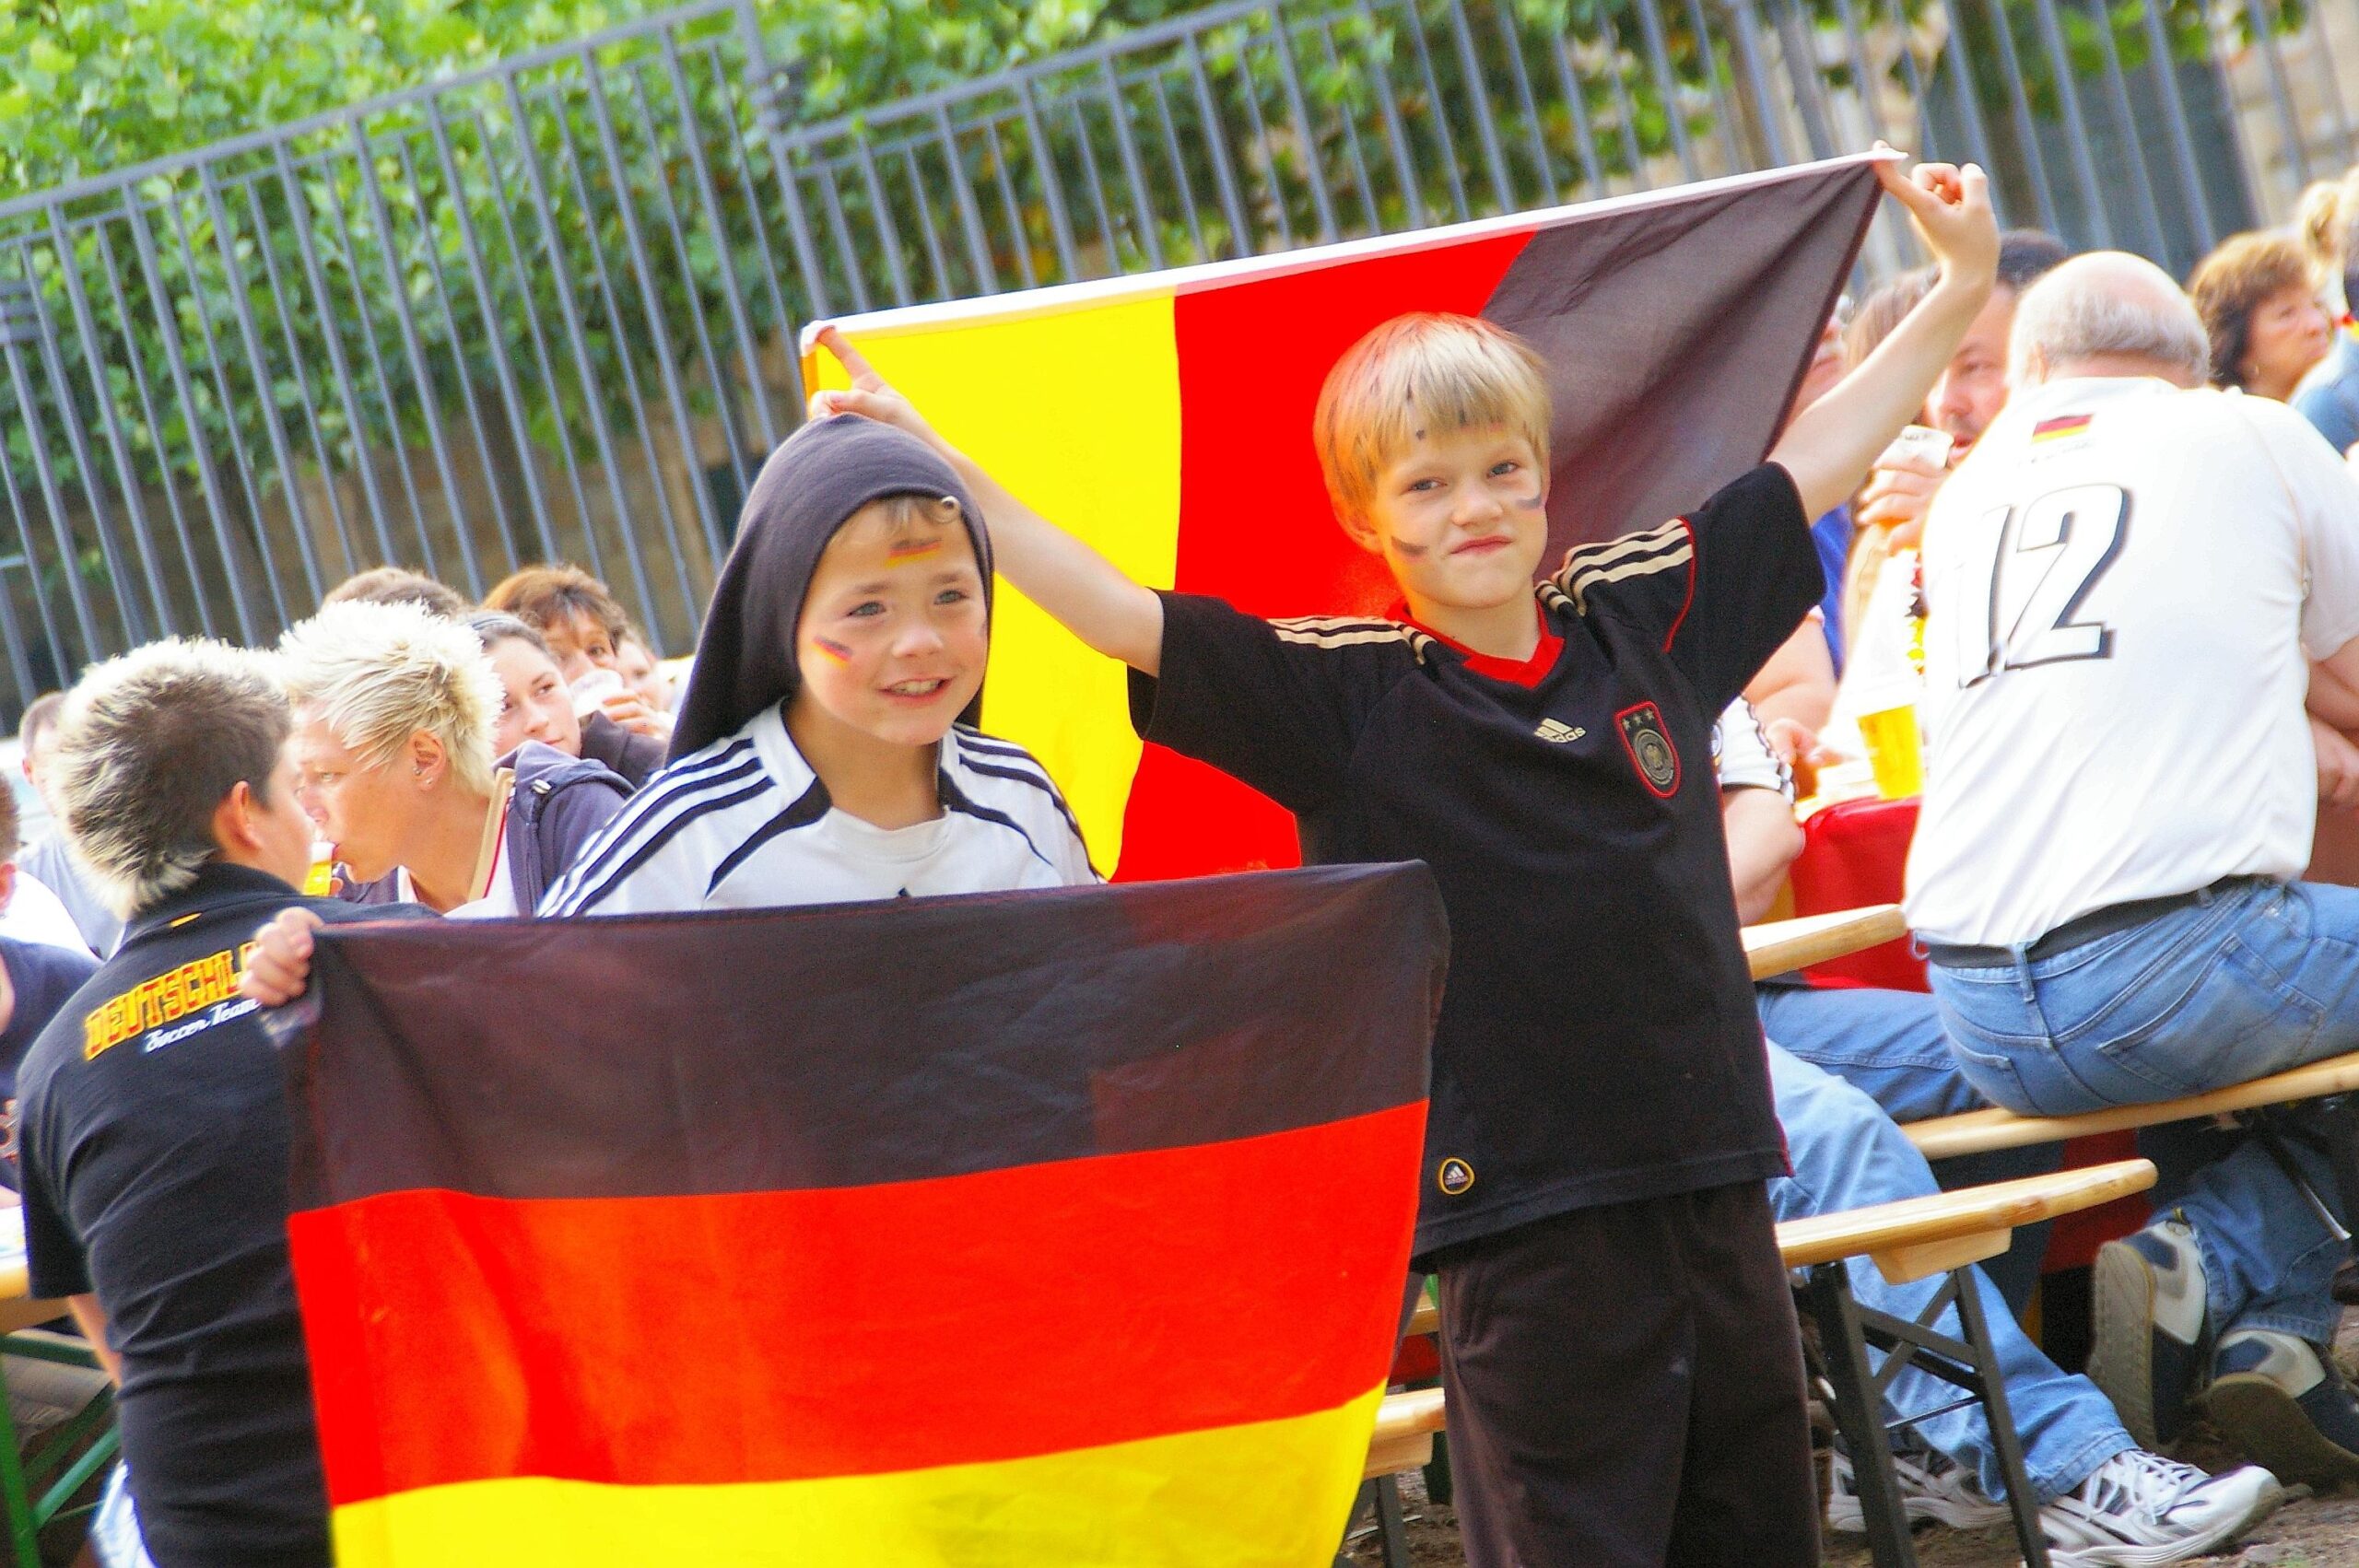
(1830, 445)
(1082, 589)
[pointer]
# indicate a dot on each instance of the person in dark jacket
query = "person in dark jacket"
(152, 1121)
(396, 713)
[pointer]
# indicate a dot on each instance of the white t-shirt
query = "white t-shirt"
(1877, 671)
(1742, 755)
(35, 914)
(498, 900)
(2125, 583)
(746, 823)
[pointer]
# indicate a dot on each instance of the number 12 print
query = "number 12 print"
(2042, 564)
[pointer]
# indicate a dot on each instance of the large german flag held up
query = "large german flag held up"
(1061, 1227)
(1166, 419)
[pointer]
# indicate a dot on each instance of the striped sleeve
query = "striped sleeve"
(660, 850)
(1278, 705)
(1036, 804)
(1743, 754)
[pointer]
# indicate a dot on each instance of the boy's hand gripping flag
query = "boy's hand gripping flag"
(1165, 419)
(1045, 1228)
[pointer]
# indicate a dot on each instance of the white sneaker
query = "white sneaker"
(2138, 1510)
(1932, 1486)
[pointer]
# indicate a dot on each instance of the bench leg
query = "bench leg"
(2020, 1501)
(1827, 1291)
(1846, 1330)
(1391, 1528)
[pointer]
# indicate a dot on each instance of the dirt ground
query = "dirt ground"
(2307, 1532)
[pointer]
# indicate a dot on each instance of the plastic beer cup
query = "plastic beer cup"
(1891, 737)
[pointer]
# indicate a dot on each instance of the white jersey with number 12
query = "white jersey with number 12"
(2124, 583)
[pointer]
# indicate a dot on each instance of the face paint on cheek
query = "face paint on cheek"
(832, 648)
(1409, 552)
(1533, 502)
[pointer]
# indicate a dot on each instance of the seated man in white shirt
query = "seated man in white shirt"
(2126, 582)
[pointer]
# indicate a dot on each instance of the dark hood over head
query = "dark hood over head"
(812, 484)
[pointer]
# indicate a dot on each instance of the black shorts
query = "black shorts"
(1626, 1388)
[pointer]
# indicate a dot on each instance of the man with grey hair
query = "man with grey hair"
(2126, 583)
(152, 1124)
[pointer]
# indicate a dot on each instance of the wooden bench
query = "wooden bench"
(1913, 1239)
(1975, 1132)
(1779, 947)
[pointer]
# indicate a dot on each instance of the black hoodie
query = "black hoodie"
(812, 484)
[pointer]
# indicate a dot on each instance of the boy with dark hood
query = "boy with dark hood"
(826, 749)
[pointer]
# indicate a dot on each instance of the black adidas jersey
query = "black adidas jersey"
(1597, 1042)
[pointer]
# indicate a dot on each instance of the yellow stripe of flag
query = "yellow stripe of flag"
(1272, 1495)
(1076, 412)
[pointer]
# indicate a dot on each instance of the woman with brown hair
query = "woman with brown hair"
(2261, 306)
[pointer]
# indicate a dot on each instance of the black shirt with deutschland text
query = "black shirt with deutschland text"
(154, 1136)
(1597, 1042)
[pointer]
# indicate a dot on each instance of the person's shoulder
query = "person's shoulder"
(993, 770)
(1351, 639)
(2293, 445)
(687, 815)
(1650, 560)
(545, 767)
(58, 1050)
(46, 959)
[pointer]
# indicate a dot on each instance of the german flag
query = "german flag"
(1049, 1228)
(2062, 425)
(1166, 419)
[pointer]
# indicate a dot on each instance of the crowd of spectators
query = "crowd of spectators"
(404, 753)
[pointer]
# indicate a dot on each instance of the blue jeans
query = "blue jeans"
(2255, 978)
(1846, 1154)
(1892, 1045)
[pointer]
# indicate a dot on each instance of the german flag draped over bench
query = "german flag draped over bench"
(1057, 1227)
(1165, 418)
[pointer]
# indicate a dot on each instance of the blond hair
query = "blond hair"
(1425, 370)
(380, 674)
(146, 747)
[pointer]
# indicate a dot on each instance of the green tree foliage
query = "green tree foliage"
(102, 84)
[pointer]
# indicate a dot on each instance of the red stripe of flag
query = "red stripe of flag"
(1255, 521)
(773, 1336)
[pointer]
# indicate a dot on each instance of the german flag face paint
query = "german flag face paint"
(893, 636)
(1181, 1249)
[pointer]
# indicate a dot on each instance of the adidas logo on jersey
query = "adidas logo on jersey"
(1550, 730)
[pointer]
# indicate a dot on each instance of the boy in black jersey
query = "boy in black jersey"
(1624, 1377)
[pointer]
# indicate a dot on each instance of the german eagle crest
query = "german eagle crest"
(1648, 743)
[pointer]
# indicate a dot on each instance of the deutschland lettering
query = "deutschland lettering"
(167, 999)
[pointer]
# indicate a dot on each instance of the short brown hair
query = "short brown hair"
(147, 748)
(1457, 371)
(547, 596)
(398, 585)
(2230, 284)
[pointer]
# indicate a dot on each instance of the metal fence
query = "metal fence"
(545, 310)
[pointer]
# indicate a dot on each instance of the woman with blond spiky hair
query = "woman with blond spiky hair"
(395, 713)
